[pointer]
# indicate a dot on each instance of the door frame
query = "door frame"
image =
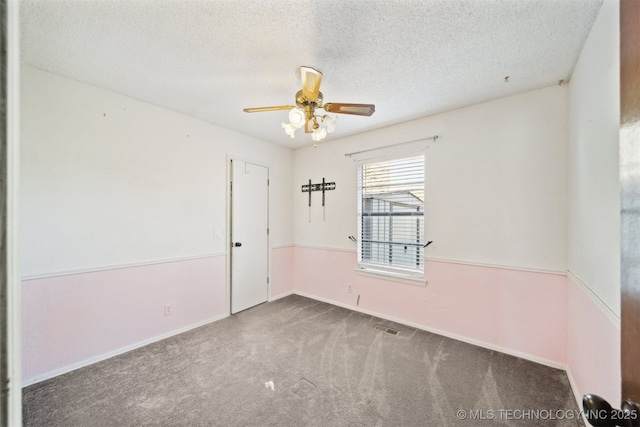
(10, 283)
(229, 223)
(629, 244)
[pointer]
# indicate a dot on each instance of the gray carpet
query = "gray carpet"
(299, 362)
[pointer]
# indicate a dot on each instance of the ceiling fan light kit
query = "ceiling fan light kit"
(296, 117)
(318, 134)
(308, 100)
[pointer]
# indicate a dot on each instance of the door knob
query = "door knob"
(237, 244)
(631, 411)
(599, 412)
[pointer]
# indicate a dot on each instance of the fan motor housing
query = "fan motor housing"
(302, 101)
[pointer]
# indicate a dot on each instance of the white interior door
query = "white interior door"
(249, 235)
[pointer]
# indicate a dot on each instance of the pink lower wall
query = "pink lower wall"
(70, 320)
(593, 346)
(281, 278)
(521, 312)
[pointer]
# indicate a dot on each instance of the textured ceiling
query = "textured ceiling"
(210, 59)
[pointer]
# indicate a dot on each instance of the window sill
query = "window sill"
(393, 277)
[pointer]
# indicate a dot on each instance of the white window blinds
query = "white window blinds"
(391, 214)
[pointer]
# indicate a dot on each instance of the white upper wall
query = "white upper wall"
(107, 180)
(496, 182)
(594, 185)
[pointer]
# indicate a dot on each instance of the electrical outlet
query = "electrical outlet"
(349, 288)
(168, 309)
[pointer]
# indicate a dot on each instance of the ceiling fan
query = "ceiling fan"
(310, 99)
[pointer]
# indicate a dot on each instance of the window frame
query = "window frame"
(415, 276)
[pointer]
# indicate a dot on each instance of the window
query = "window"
(391, 216)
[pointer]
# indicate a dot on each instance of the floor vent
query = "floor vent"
(303, 387)
(383, 328)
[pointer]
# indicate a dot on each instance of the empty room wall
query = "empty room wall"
(496, 209)
(593, 348)
(123, 210)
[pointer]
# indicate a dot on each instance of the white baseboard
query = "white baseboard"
(457, 337)
(277, 297)
(108, 355)
(577, 396)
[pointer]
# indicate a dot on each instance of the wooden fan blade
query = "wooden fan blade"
(275, 108)
(311, 79)
(357, 109)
